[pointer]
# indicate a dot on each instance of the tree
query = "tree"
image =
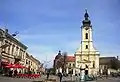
(64, 60)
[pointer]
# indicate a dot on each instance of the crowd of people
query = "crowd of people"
(15, 72)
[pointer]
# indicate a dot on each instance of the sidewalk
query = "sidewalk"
(43, 78)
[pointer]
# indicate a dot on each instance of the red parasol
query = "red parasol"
(15, 66)
(20, 66)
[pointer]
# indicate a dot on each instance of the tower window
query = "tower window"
(86, 47)
(93, 64)
(86, 36)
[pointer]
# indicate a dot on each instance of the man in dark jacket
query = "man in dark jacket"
(60, 76)
(48, 75)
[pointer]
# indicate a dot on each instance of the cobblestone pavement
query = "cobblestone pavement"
(65, 79)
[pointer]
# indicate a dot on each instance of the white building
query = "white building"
(86, 56)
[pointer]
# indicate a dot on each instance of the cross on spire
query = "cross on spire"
(86, 15)
(86, 21)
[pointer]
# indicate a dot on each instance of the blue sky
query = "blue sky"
(47, 26)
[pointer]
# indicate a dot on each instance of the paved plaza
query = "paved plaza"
(65, 79)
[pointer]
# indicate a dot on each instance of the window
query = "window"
(86, 36)
(29, 62)
(93, 64)
(6, 48)
(73, 65)
(86, 66)
(69, 65)
(26, 62)
(13, 49)
(86, 47)
(9, 48)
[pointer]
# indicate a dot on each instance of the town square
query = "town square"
(59, 41)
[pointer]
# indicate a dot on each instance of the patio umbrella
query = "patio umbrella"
(15, 66)
(20, 66)
(10, 66)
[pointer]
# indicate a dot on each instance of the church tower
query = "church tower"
(86, 56)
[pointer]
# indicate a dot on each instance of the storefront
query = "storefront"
(4, 62)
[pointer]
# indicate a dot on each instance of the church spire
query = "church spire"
(86, 21)
(86, 15)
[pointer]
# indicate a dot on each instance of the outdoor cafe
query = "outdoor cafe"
(19, 75)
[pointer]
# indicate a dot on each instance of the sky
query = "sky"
(47, 26)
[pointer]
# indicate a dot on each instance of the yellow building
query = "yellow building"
(11, 50)
(86, 56)
(32, 63)
(70, 65)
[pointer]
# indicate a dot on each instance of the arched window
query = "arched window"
(70, 65)
(93, 64)
(73, 65)
(86, 36)
(86, 66)
(86, 47)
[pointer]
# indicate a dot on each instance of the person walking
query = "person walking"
(60, 76)
(48, 75)
(15, 73)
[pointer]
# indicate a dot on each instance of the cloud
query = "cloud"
(45, 52)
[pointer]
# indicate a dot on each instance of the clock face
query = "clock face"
(86, 28)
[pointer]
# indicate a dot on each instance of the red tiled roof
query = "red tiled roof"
(70, 59)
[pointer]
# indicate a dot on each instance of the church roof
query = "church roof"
(106, 60)
(70, 59)
(59, 55)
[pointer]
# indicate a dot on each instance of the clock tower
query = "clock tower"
(86, 56)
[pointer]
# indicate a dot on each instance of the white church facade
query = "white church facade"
(86, 56)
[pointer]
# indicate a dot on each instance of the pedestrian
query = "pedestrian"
(60, 76)
(48, 75)
(15, 73)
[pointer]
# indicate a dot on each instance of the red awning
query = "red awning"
(15, 66)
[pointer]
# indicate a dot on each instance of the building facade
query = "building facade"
(108, 65)
(86, 56)
(32, 64)
(13, 51)
(70, 65)
(64, 64)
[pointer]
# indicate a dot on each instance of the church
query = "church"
(86, 56)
